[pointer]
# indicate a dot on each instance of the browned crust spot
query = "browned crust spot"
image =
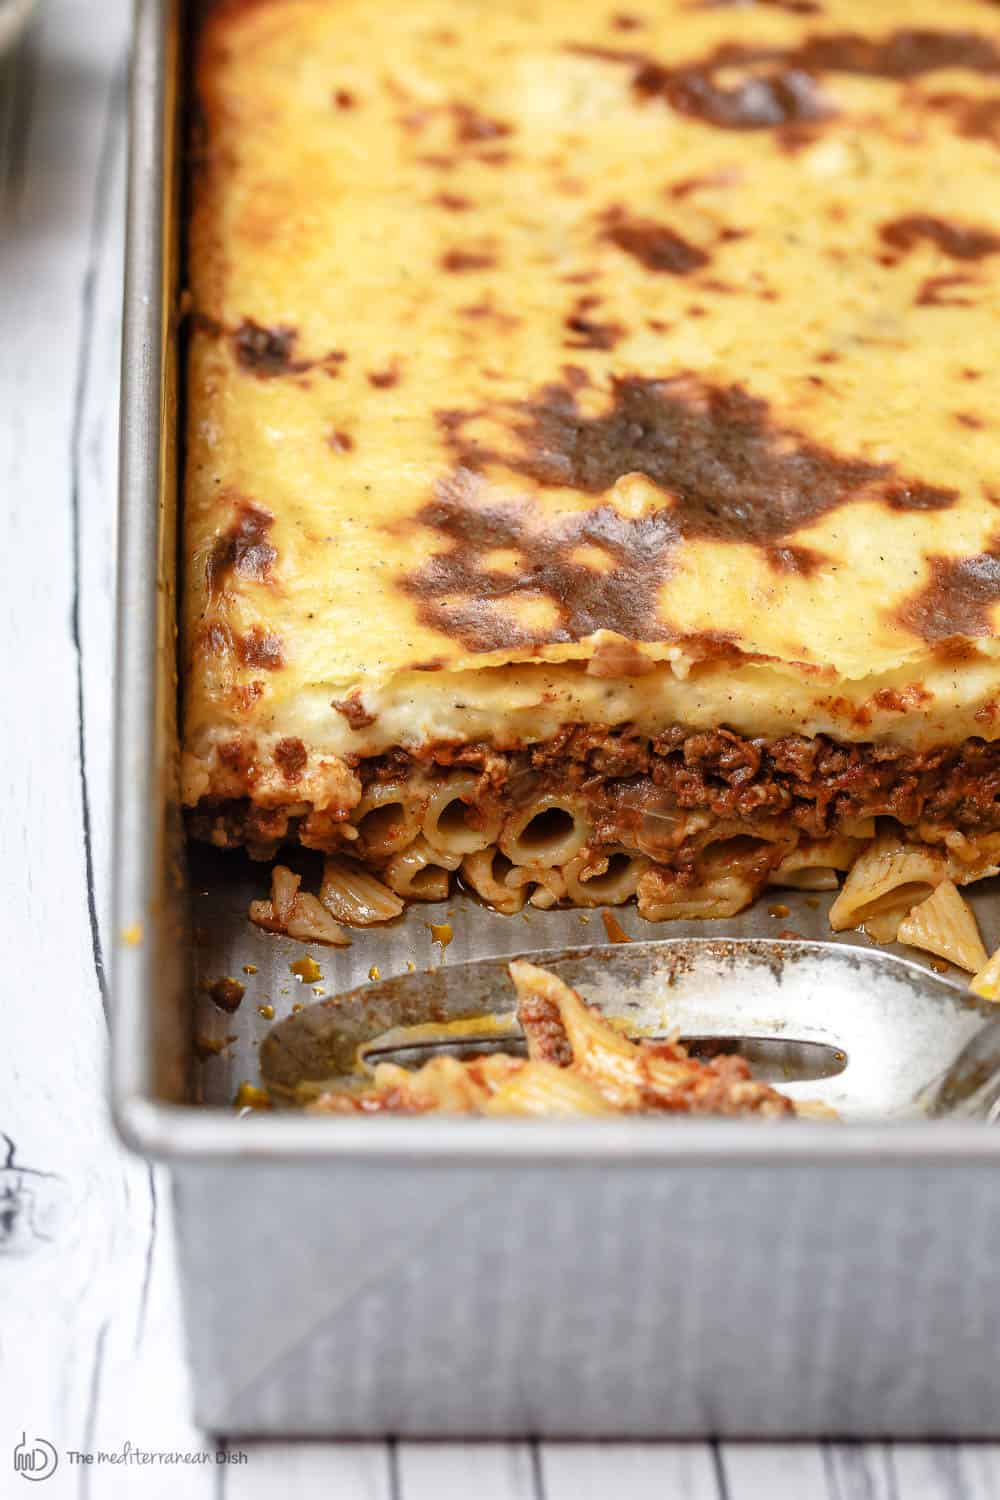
(731, 473)
(269, 352)
(618, 659)
(472, 127)
(780, 86)
(735, 474)
(939, 291)
(957, 598)
(974, 119)
(383, 380)
(589, 332)
(258, 647)
(656, 246)
(466, 260)
(959, 241)
(244, 548)
(455, 203)
(904, 700)
(246, 695)
(460, 595)
(793, 7)
(264, 351)
(795, 559)
(913, 495)
(724, 177)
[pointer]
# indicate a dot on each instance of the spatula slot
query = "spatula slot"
(771, 1059)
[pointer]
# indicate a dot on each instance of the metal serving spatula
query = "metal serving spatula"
(971, 1085)
(867, 1033)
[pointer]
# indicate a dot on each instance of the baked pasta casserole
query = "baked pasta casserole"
(592, 476)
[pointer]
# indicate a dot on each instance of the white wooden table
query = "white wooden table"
(90, 1346)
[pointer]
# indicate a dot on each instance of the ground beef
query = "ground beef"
(541, 1021)
(818, 783)
(723, 1086)
(814, 785)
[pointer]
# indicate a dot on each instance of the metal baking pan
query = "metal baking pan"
(421, 1276)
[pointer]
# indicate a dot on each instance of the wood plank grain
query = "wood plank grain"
(309, 1471)
(859, 1471)
(141, 1401)
(640, 1471)
(94, 504)
(454, 1471)
(79, 1362)
(780, 1471)
(946, 1471)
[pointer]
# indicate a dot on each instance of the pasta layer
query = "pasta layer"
(691, 824)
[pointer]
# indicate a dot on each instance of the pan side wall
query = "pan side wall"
(362, 1300)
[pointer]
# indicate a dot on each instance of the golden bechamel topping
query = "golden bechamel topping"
(564, 333)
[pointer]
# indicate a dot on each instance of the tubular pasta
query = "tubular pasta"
(284, 888)
(452, 821)
(415, 830)
(832, 854)
(964, 873)
(605, 1056)
(549, 884)
(387, 818)
(859, 828)
(743, 835)
(420, 872)
(485, 871)
(819, 879)
(623, 1071)
(296, 913)
(442, 1083)
(663, 829)
(637, 1076)
(606, 878)
(353, 895)
(662, 897)
(944, 924)
(974, 851)
(548, 831)
(261, 914)
(578, 1064)
(310, 922)
(541, 1088)
(883, 925)
(887, 875)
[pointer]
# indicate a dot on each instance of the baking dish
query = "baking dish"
(419, 1277)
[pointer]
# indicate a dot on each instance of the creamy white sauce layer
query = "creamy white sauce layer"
(943, 704)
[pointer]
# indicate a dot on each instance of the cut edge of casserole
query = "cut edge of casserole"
(591, 489)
